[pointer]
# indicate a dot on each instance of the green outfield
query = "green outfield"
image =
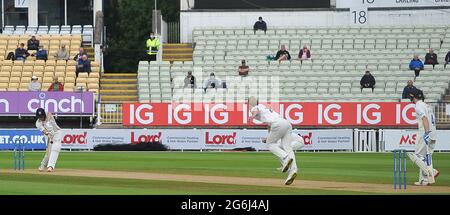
(373, 168)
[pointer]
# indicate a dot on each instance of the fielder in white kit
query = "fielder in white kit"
(47, 125)
(422, 155)
(279, 129)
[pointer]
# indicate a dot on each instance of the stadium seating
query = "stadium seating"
(8, 43)
(15, 75)
(85, 31)
(340, 55)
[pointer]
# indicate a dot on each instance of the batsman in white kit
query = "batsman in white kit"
(280, 140)
(422, 155)
(47, 125)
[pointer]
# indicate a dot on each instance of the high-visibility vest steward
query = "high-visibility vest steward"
(153, 46)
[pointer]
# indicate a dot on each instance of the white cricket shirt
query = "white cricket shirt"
(265, 115)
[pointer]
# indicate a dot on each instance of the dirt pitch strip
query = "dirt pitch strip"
(298, 184)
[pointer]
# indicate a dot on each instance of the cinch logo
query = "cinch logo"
(307, 138)
(221, 139)
(145, 138)
(406, 139)
(75, 138)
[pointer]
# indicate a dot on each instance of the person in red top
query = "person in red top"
(56, 85)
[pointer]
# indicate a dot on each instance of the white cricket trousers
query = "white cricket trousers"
(421, 151)
(281, 130)
(52, 152)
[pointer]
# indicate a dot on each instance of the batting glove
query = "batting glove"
(426, 137)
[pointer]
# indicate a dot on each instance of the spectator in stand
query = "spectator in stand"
(243, 69)
(80, 54)
(367, 81)
(34, 85)
(62, 53)
(431, 58)
(189, 81)
(212, 82)
(282, 54)
(21, 53)
(304, 54)
(260, 25)
(408, 90)
(33, 43)
(56, 85)
(83, 65)
(416, 65)
(447, 59)
(41, 54)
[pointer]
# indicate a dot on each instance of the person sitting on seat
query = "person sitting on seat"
(33, 43)
(431, 58)
(84, 65)
(41, 54)
(367, 81)
(260, 25)
(81, 52)
(62, 53)
(408, 90)
(21, 53)
(34, 85)
(282, 54)
(212, 82)
(243, 69)
(447, 59)
(416, 65)
(304, 54)
(56, 85)
(189, 81)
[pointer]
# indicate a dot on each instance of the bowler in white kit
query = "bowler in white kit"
(47, 125)
(279, 130)
(422, 155)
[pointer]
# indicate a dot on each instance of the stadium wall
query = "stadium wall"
(226, 139)
(190, 20)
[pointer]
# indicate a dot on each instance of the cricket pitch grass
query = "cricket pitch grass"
(214, 173)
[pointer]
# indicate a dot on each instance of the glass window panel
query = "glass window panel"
(51, 12)
(15, 16)
(80, 12)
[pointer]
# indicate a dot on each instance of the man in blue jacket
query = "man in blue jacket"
(416, 65)
(41, 54)
(83, 65)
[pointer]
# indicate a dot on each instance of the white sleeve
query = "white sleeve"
(39, 126)
(53, 121)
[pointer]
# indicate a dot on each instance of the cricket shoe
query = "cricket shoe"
(422, 183)
(291, 177)
(50, 169)
(436, 173)
(41, 168)
(287, 163)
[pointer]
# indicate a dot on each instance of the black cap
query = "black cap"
(40, 112)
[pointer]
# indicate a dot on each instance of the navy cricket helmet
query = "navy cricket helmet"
(40, 112)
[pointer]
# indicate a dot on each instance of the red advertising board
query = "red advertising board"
(299, 114)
